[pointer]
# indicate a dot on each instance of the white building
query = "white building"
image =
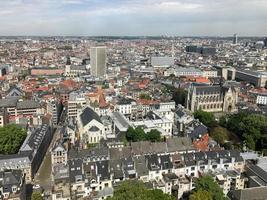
(98, 61)
(76, 102)
(91, 128)
(261, 99)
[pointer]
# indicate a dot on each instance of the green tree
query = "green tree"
(249, 127)
(200, 195)
(36, 196)
(219, 134)
(206, 118)
(11, 138)
(138, 134)
(206, 183)
(136, 190)
(153, 135)
(179, 96)
(223, 121)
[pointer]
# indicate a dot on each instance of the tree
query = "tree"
(136, 190)
(223, 121)
(138, 134)
(200, 195)
(179, 96)
(153, 135)
(249, 127)
(205, 117)
(11, 138)
(206, 183)
(219, 134)
(36, 196)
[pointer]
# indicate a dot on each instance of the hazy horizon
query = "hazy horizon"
(184, 18)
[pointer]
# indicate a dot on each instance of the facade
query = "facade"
(226, 72)
(91, 127)
(230, 180)
(59, 154)
(184, 71)
(54, 109)
(98, 61)
(73, 71)
(20, 108)
(154, 121)
(76, 102)
(46, 71)
(3, 117)
(257, 78)
(208, 73)
(95, 172)
(214, 98)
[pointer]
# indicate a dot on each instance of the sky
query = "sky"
(133, 17)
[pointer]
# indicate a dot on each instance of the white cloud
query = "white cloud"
(192, 17)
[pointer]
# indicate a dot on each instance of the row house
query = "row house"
(93, 173)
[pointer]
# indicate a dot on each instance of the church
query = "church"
(212, 98)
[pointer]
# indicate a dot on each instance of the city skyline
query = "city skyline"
(133, 17)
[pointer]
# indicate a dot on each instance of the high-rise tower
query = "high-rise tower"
(98, 61)
(235, 39)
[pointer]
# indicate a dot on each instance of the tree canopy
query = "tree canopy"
(206, 183)
(138, 134)
(179, 96)
(11, 138)
(136, 190)
(251, 128)
(200, 195)
(219, 134)
(206, 118)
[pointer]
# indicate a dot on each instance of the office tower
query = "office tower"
(265, 42)
(235, 39)
(98, 61)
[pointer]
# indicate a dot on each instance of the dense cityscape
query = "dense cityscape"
(133, 118)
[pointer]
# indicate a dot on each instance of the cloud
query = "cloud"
(133, 17)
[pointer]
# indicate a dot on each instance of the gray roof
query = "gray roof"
(116, 168)
(35, 138)
(120, 121)
(146, 147)
(199, 130)
(179, 144)
(103, 169)
(27, 104)
(161, 61)
(208, 89)
(88, 115)
(75, 170)
(8, 102)
(255, 193)
(140, 166)
(97, 153)
(11, 178)
(119, 153)
(256, 170)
